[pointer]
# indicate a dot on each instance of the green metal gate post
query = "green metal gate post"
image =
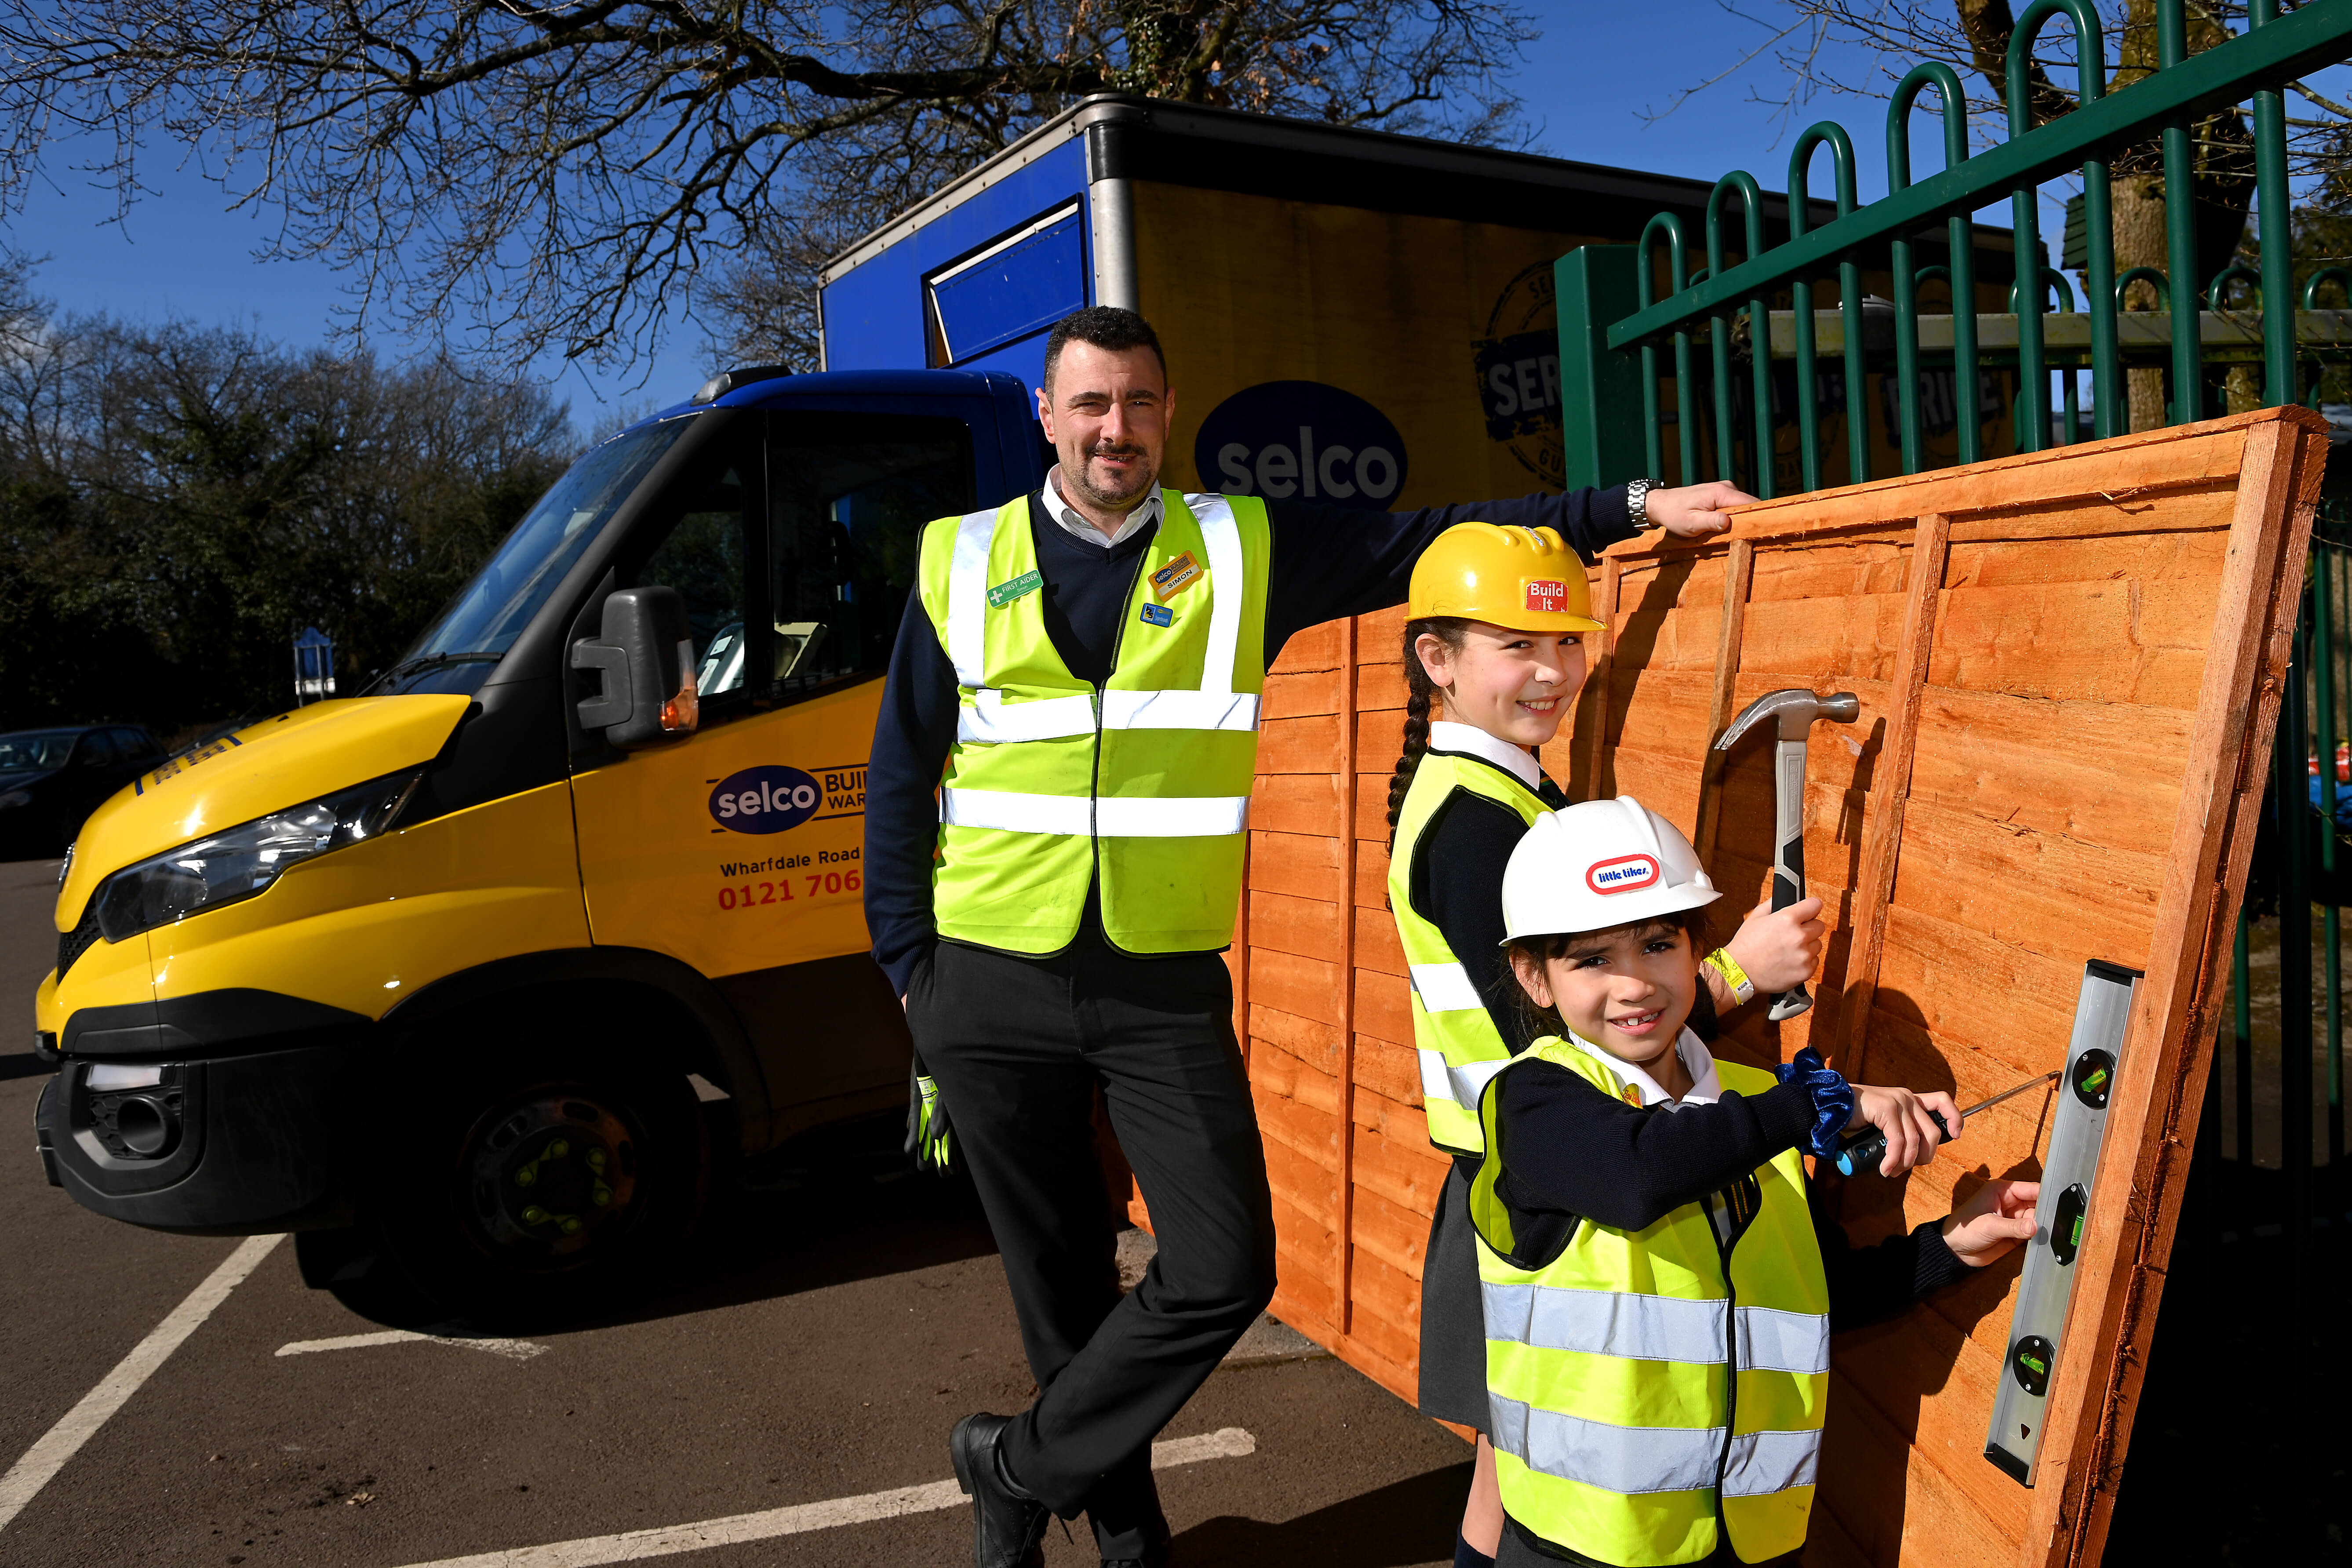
(1601, 426)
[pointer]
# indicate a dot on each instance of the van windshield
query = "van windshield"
(492, 610)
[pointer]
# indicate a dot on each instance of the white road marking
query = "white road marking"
(46, 1457)
(513, 1350)
(630, 1546)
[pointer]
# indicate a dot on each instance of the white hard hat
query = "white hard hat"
(1598, 864)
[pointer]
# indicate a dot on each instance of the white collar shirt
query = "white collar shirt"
(1516, 761)
(1076, 525)
(1707, 1087)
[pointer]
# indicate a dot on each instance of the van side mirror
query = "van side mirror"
(644, 651)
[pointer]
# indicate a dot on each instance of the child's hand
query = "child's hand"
(1999, 1217)
(1908, 1119)
(1695, 511)
(1778, 948)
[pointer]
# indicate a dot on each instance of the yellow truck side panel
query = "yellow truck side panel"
(1393, 307)
(363, 927)
(731, 885)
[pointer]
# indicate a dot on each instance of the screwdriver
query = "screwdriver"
(1864, 1153)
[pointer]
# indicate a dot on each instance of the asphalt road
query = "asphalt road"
(813, 1346)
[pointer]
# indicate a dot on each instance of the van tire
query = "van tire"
(542, 1183)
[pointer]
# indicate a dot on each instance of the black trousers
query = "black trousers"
(1018, 1046)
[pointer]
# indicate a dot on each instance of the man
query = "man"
(1056, 812)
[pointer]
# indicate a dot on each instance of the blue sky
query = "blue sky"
(1587, 84)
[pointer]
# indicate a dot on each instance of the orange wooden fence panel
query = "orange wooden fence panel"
(2069, 669)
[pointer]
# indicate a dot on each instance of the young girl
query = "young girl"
(1493, 663)
(1658, 1297)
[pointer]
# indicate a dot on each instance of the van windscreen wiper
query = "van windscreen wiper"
(423, 664)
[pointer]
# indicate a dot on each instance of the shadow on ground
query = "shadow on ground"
(1408, 1522)
(835, 1206)
(25, 1064)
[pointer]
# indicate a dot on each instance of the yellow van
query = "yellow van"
(444, 956)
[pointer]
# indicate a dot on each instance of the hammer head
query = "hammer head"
(1796, 709)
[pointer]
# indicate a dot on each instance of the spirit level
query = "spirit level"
(2036, 1328)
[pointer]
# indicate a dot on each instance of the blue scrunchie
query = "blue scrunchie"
(1832, 1098)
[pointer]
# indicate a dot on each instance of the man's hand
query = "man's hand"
(1999, 1217)
(1695, 511)
(1778, 948)
(1908, 1119)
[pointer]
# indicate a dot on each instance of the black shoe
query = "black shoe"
(1008, 1526)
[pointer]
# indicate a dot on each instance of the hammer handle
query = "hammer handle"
(1789, 856)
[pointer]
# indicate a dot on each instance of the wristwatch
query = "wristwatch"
(1637, 499)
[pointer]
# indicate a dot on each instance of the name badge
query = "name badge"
(1175, 577)
(1158, 615)
(1004, 593)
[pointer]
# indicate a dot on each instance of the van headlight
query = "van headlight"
(239, 862)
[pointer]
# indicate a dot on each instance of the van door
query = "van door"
(738, 850)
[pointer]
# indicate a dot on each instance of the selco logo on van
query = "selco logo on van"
(1623, 874)
(765, 800)
(1284, 439)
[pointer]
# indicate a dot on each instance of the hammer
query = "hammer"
(1796, 710)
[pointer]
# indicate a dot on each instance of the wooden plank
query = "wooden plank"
(1307, 927)
(2119, 1277)
(1591, 777)
(1391, 1232)
(2097, 772)
(1316, 648)
(2133, 641)
(1311, 1040)
(1344, 1129)
(2039, 890)
(1297, 695)
(1306, 865)
(1739, 573)
(1290, 983)
(2148, 464)
(1890, 793)
(1388, 1067)
(1383, 1005)
(1309, 745)
(1297, 802)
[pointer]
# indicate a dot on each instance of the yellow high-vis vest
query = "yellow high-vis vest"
(1143, 783)
(1459, 1046)
(1650, 1388)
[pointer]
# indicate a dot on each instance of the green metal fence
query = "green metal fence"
(1646, 344)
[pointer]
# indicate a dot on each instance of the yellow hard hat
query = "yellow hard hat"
(1524, 578)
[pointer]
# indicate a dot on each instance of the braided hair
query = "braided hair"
(1453, 632)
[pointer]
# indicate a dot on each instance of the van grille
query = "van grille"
(73, 943)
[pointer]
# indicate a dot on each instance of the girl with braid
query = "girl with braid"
(1494, 658)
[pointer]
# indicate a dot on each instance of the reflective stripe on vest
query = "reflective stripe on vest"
(1611, 1364)
(1083, 815)
(1653, 1328)
(1459, 1046)
(1141, 785)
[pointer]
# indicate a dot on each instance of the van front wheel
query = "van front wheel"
(549, 1186)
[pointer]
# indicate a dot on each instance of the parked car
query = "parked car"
(51, 779)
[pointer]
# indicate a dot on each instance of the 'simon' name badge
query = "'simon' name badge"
(1004, 593)
(1547, 595)
(1623, 874)
(1175, 577)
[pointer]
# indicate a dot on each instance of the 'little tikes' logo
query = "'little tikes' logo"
(1622, 876)
(1546, 595)
(765, 800)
